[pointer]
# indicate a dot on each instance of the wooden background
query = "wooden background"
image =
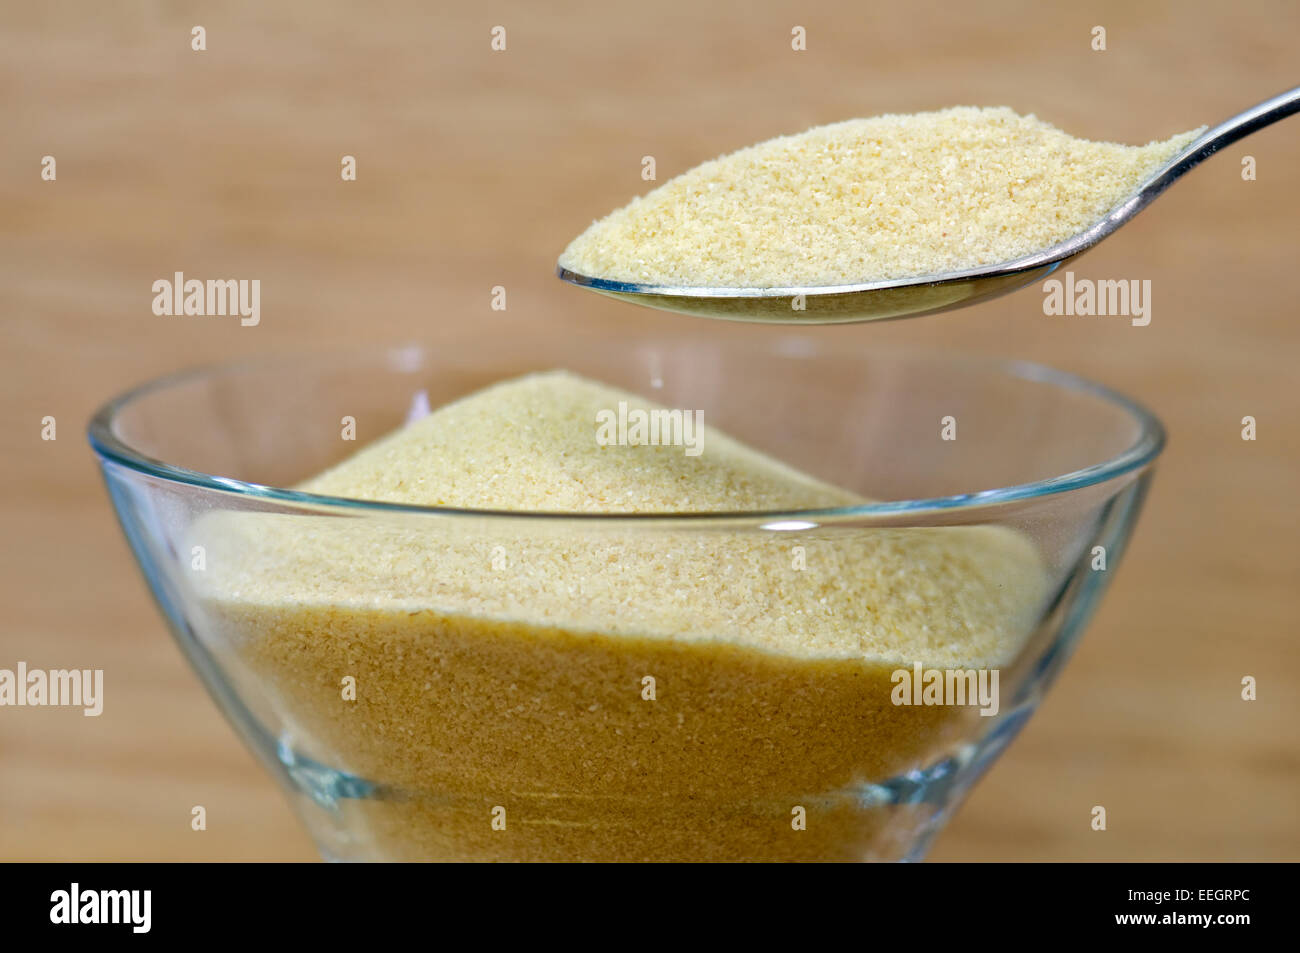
(474, 169)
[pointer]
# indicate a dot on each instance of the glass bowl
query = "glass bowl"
(440, 684)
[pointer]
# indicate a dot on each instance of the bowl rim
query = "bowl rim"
(1147, 446)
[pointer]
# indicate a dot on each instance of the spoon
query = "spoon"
(927, 294)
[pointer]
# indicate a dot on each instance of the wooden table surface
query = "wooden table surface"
(474, 169)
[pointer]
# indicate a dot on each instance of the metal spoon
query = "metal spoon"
(908, 297)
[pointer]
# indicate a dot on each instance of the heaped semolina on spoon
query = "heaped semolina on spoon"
(868, 200)
(887, 217)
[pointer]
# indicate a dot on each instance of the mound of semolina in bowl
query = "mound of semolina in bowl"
(589, 688)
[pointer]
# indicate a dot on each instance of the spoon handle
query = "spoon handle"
(1239, 126)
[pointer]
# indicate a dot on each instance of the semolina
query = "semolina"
(895, 196)
(503, 663)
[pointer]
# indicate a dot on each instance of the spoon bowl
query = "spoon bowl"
(929, 294)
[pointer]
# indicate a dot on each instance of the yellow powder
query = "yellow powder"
(503, 662)
(530, 444)
(894, 196)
